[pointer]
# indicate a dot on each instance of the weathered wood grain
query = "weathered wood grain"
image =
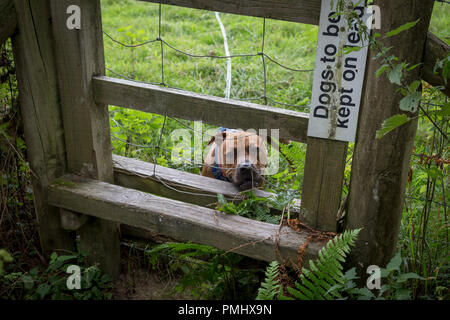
(178, 219)
(193, 106)
(41, 115)
(72, 220)
(8, 20)
(435, 49)
(79, 56)
(322, 182)
(304, 11)
(380, 166)
(176, 184)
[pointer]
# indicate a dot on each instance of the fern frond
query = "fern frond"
(294, 153)
(326, 271)
(270, 287)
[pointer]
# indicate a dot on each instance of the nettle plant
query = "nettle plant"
(397, 71)
(51, 282)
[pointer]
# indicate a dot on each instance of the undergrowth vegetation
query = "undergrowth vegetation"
(325, 279)
(420, 270)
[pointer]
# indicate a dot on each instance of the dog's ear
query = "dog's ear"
(219, 136)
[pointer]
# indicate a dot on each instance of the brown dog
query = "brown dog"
(238, 157)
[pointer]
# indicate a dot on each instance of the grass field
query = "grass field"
(198, 32)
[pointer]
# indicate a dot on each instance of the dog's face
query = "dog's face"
(242, 157)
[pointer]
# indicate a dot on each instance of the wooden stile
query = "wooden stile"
(64, 96)
(79, 57)
(41, 114)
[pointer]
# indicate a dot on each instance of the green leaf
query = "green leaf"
(351, 274)
(391, 124)
(402, 28)
(364, 294)
(222, 200)
(381, 70)
(34, 272)
(403, 294)
(413, 86)
(53, 256)
(445, 110)
(382, 52)
(406, 276)
(349, 49)
(414, 66)
(43, 289)
(394, 264)
(65, 258)
(411, 102)
(396, 74)
(28, 282)
(5, 256)
(271, 286)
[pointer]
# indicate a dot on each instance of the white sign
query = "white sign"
(338, 78)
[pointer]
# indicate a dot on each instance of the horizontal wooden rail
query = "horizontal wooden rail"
(187, 105)
(304, 11)
(435, 49)
(176, 184)
(177, 219)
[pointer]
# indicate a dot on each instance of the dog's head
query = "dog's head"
(242, 156)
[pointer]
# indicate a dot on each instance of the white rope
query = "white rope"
(227, 53)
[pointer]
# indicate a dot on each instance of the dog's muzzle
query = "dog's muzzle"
(247, 176)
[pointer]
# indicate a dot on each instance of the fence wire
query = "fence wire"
(264, 97)
(164, 43)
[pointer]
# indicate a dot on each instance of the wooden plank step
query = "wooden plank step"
(183, 221)
(179, 185)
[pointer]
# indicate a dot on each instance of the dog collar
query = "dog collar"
(216, 169)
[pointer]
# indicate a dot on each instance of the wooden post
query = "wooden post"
(322, 182)
(436, 49)
(79, 57)
(380, 166)
(41, 115)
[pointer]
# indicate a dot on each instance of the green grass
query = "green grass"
(440, 21)
(198, 32)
